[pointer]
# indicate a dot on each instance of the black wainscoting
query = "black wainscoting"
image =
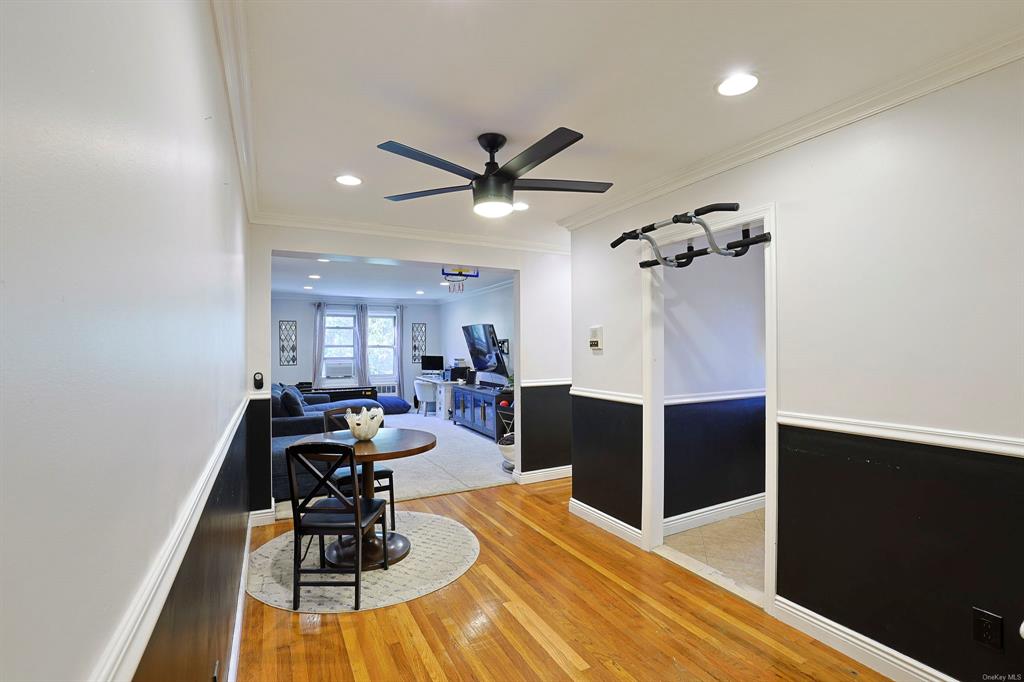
(899, 540)
(607, 456)
(714, 453)
(258, 445)
(194, 629)
(546, 425)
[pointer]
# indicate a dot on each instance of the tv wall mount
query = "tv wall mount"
(733, 249)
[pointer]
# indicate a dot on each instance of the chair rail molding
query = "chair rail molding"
(606, 522)
(963, 440)
(871, 653)
(943, 73)
(530, 383)
(124, 650)
(712, 397)
(600, 394)
(539, 475)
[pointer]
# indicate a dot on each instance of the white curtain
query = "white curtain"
(318, 344)
(360, 332)
(399, 348)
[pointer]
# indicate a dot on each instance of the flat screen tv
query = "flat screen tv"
(483, 349)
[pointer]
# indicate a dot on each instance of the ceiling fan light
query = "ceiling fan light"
(492, 209)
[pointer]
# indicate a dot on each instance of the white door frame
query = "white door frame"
(653, 375)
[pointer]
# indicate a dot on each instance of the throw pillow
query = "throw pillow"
(292, 401)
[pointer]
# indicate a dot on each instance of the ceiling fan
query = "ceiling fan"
(492, 189)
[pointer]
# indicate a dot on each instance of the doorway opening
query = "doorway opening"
(437, 351)
(716, 466)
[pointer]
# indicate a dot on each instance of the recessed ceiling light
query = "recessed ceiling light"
(323, 260)
(444, 284)
(737, 84)
(314, 276)
(349, 180)
(419, 292)
(520, 206)
(307, 287)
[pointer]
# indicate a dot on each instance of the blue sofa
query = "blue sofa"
(288, 427)
(302, 413)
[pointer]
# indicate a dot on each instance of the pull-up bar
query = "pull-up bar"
(733, 249)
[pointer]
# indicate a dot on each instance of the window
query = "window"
(381, 354)
(339, 336)
(381, 342)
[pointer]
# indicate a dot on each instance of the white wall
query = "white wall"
(899, 265)
(302, 311)
(714, 322)
(431, 314)
(495, 306)
(123, 297)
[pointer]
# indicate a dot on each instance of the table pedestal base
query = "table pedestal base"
(342, 552)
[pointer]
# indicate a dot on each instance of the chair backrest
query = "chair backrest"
(334, 419)
(425, 391)
(336, 455)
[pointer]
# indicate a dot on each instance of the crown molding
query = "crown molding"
(351, 300)
(949, 71)
(232, 41)
(473, 293)
(400, 232)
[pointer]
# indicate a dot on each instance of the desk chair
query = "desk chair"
(426, 394)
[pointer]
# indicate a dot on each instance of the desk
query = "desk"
(444, 394)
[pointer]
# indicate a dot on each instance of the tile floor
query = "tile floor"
(733, 546)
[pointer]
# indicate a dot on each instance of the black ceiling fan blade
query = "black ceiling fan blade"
(561, 185)
(539, 152)
(429, 159)
(427, 193)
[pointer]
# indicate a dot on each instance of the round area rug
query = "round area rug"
(442, 550)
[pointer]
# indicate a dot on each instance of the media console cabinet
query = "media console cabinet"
(476, 407)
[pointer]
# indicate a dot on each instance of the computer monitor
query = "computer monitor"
(432, 363)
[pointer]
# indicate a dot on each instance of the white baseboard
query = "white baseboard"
(873, 654)
(702, 517)
(539, 475)
(123, 652)
(236, 633)
(606, 522)
(262, 517)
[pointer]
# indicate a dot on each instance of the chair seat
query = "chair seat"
(379, 472)
(371, 510)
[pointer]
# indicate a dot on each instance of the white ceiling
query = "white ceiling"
(349, 277)
(331, 80)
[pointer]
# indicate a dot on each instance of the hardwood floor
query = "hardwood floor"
(551, 597)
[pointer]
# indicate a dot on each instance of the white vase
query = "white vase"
(365, 424)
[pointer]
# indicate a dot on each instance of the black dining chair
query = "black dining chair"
(383, 476)
(336, 514)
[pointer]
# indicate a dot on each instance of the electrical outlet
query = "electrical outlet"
(988, 628)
